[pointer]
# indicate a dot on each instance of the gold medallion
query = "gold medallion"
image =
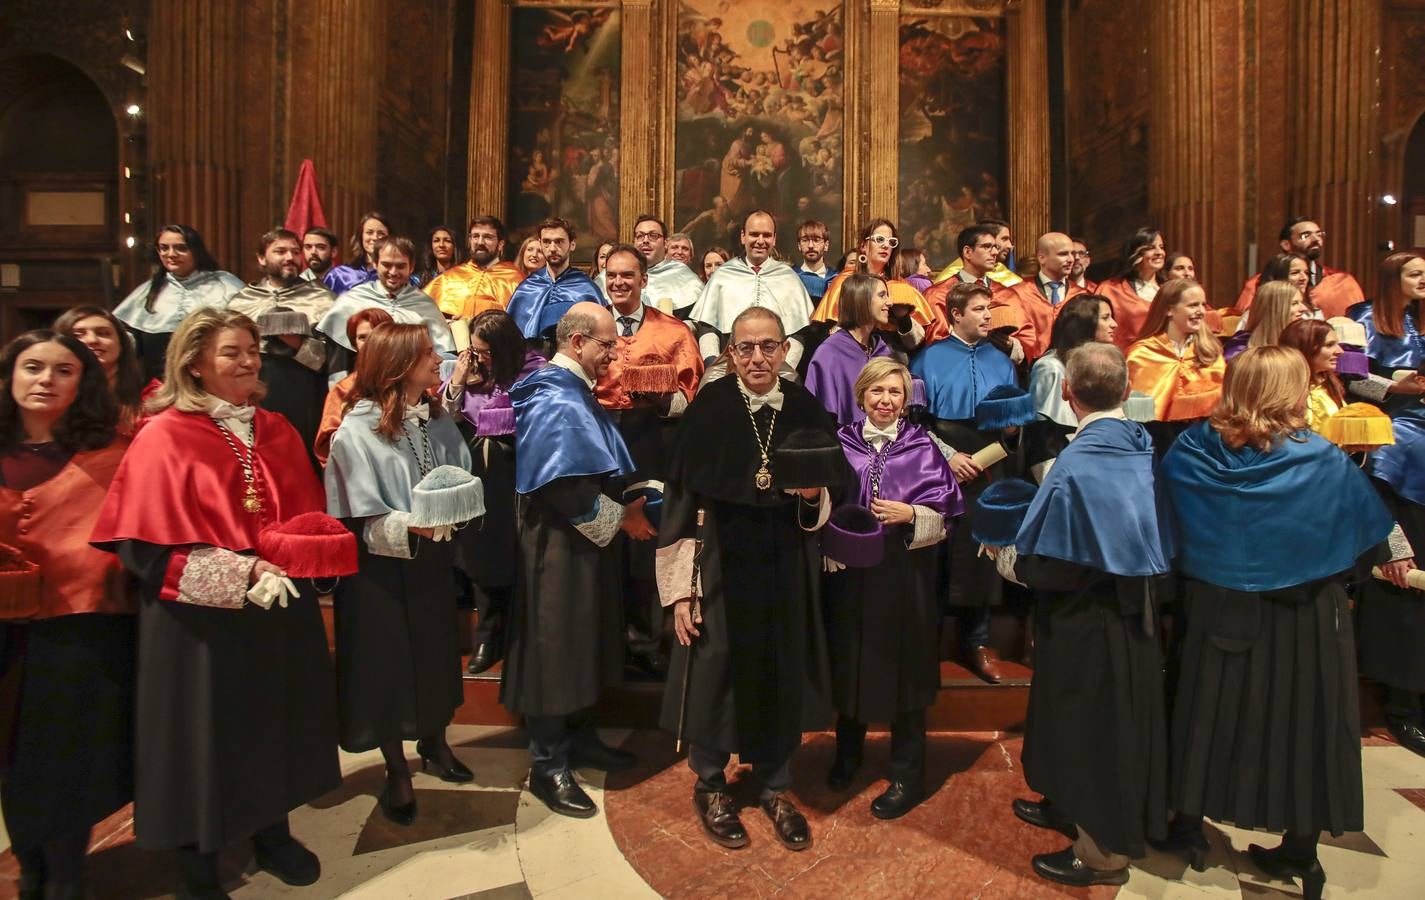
(764, 479)
(251, 502)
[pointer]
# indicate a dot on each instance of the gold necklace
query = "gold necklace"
(251, 499)
(763, 478)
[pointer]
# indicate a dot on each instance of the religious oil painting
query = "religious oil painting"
(564, 143)
(952, 150)
(759, 116)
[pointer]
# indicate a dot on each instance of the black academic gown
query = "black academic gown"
(1391, 619)
(564, 643)
(295, 391)
(971, 575)
(757, 676)
(1095, 738)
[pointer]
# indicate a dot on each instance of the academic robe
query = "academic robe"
(540, 300)
(151, 329)
(397, 643)
(468, 290)
(1047, 437)
(835, 366)
(931, 320)
(306, 297)
(735, 286)
(411, 306)
(234, 722)
(1391, 619)
(342, 278)
(1001, 274)
(756, 678)
(939, 294)
(1097, 546)
(815, 284)
(69, 760)
(669, 280)
(1181, 388)
(1130, 311)
(957, 377)
(1039, 314)
(332, 411)
(565, 644)
(1334, 293)
(883, 623)
(1389, 353)
(1266, 724)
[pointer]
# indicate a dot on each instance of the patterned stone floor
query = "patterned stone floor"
(491, 840)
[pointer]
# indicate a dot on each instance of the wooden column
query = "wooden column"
(641, 85)
(1334, 73)
(883, 71)
(194, 105)
(489, 110)
(1028, 83)
(1196, 137)
(337, 57)
(855, 146)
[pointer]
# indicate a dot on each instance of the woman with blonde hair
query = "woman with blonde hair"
(1278, 304)
(397, 644)
(1268, 678)
(1178, 361)
(882, 619)
(217, 759)
(530, 257)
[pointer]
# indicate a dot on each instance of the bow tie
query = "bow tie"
(223, 411)
(419, 412)
(772, 398)
(871, 433)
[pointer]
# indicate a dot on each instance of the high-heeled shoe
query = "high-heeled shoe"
(1186, 842)
(1276, 864)
(455, 773)
(400, 813)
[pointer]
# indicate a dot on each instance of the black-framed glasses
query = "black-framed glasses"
(607, 345)
(744, 349)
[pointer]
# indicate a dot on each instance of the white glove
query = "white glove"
(830, 565)
(443, 533)
(270, 588)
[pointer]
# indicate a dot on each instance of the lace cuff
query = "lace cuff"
(927, 528)
(312, 354)
(214, 576)
(945, 449)
(674, 565)
(1040, 470)
(389, 535)
(1399, 546)
(677, 404)
(601, 523)
(1005, 558)
(1372, 388)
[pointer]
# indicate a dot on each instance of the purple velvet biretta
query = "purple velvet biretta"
(1353, 364)
(853, 536)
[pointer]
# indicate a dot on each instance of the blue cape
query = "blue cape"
(561, 432)
(1387, 352)
(539, 301)
(1099, 506)
(957, 376)
(1254, 521)
(1402, 465)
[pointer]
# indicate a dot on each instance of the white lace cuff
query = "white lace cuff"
(1005, 558)
(1399, 546)
(1040, 470)
(677, 403)
(945, 449)
(674, 567)
(214, 576)
(1373, 388)
(928, 528)
(312, 354)
(602, 523)
(389, 535)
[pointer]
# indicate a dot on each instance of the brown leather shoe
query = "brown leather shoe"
(789, 824)
(985, 663)
(718, 814)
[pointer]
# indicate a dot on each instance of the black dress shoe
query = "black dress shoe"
(291, 862)
(485, 656)
(718, 814)
(455, 773)
(789, 824)
(1066, 868)
(1041, 815)
(651, 663)
(1408, 735)
(601, 756)
(400, 813)
(1185, 839)
(1277, 865)
(562, 794)
(843, 771)
(898, 799)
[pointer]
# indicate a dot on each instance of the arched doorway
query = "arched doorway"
(59, 209)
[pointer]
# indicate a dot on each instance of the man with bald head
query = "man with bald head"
(1040, 298)
(566, 624)
(756, 278)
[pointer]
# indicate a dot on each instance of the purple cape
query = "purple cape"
(832, 373)
(915, 471)
(472, 401)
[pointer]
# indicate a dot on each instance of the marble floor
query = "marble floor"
(491, 840)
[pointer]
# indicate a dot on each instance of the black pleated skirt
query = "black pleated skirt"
(1266, 728)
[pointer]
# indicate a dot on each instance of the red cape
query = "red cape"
(180, 483)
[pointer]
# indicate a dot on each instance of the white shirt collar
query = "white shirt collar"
(957, 337)
(772, 398)
(564, 361)
(236, 419)
(1115, 413)
(878, 437)
(819, 271)
(636, 316)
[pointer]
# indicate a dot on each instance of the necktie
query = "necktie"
(1054, 288)
(627, 323)
(985, 282)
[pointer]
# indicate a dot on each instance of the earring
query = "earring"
(861, 258)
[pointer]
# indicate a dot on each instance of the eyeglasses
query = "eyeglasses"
(607, 345)
(1078, 253)
(880, 240)
(744, 349)
(1305, 235)
(648, 235)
